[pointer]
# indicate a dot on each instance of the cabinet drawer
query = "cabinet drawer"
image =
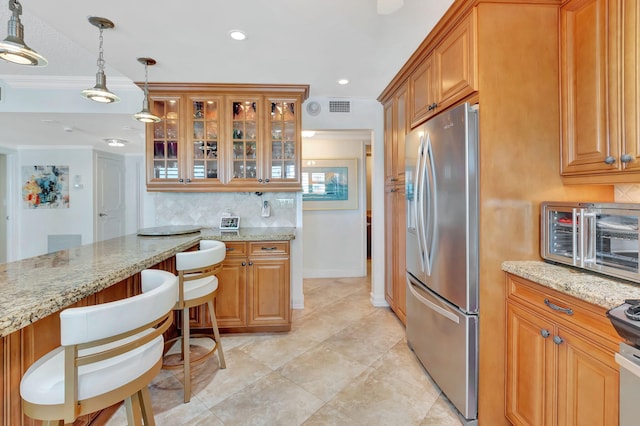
(269, 248)
(236, 248)
(585, 316)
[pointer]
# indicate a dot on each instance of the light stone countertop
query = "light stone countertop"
(34, 288)
(593, 288)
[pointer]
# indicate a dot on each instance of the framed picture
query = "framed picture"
(330, 184)
(45, 187)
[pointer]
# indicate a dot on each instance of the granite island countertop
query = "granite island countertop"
(34, 288)
(600, 290)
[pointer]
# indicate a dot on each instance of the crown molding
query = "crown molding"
(63, 82)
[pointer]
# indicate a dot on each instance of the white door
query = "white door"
(3, 208)
(110, 196)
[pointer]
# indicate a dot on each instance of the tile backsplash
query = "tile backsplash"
(205, 209)
(627, 193)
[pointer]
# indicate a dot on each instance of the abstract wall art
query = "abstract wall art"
(45, 187)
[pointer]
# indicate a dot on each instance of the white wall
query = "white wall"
(335, 240)
(34, 225)
(365, 114)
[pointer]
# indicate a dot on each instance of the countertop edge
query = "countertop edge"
(593, 288)
(29, 296)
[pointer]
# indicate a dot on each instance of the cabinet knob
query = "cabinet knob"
(266, 180)
(392, 190)
(260, 180)
(557, 340)
(545, 333)
(181, 180)
(609, 159)
(393, 179)
(626, 158)
(432, 106)
(188, 180)
(244, 263)
(250, 263)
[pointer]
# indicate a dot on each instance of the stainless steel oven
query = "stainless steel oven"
(594, 236)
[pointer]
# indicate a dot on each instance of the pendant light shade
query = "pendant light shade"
(145, 116)
(13, 48)
(99, 92)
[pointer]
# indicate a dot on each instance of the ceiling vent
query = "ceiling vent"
(339, 106)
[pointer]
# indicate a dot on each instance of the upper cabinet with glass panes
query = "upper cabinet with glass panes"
(216, 137)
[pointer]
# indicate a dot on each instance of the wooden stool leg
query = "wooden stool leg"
(216, 334)
(132, 405)
(186, 354)
(145, 407)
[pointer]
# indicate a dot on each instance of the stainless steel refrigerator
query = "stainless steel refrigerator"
(442, 252)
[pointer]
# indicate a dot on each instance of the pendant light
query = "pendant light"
(145, 115)
(13, 48)
(100, 93)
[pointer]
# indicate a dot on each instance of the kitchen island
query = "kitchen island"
(33, 291)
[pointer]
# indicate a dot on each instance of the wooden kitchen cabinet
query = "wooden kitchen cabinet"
(253, 289)
(560, 365)
(600, 51)
(225, 137)
(396, 127)
(446, 75)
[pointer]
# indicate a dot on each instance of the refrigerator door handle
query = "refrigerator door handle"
(430, 188)
(429, 304)
(418, 205)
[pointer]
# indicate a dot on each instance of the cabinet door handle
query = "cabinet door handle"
(244, 263)
(392, 190)
(609, 160)
(555, 307)
(545, 333)
(250, 263)
(230, 248)
(188, 180)
(260, 180)
(266, 180)
(393, 179)
(181, 180)
(626, 158)
(557, 340)
(268, 248)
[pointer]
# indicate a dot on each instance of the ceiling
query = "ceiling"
(288, 41)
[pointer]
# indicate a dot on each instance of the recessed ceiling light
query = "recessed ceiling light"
(237, 35)
(343, 81)
(115, 142)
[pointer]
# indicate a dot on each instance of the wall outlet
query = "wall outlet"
(266, 209)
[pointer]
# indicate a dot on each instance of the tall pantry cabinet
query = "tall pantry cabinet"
(395, 119)
(507, 63)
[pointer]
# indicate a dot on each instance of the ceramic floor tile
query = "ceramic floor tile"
(242, 370)
(367, 340)
(377, 398)
(344, 363)
(272, 400)
(276, 350)
(441, 414)
(322, 372)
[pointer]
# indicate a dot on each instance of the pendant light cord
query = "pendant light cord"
(146, 79)
(100, 57)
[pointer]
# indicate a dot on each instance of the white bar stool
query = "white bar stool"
(197, 285)
(109, 353)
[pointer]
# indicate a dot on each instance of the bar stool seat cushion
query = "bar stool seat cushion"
(200, 287)
(43, 383)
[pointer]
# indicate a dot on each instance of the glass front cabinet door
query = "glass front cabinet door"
(163, 150)
(215, 137)
(203, 153)
(282, 154)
